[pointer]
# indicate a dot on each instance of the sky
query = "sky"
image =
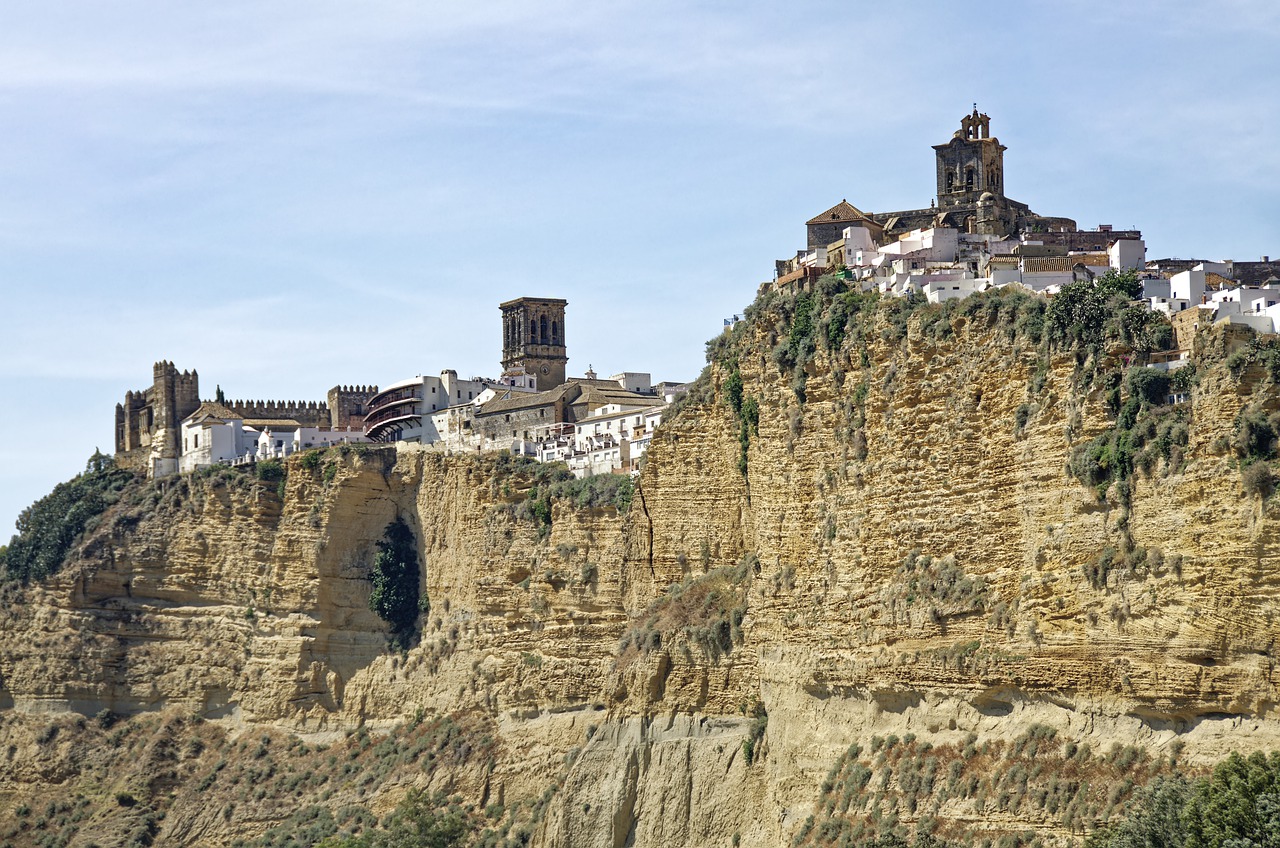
(288, 196)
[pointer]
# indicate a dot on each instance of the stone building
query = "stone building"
(507, 420)
(829, 227)
(970, 193)
(533, 339)
(148, 424)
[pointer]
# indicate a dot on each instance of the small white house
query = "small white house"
(940, 287)
(1128, 254)
(1187, 285)
(211, 435)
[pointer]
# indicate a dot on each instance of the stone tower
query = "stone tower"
(175, 395)
(533, 338)
(348, 406)
(971, 164)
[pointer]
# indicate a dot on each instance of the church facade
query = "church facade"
(970, 196)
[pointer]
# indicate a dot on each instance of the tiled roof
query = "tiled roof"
(594, 396)
(278, 423)
(844, 211)
(212, 410)
(1093, 260)
(1044, 264)
(1002, 262)
(524, 400)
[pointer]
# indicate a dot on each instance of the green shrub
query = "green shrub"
(48, 528)
(428, 821)
(310, 460)
(1258, 480)
(705, 610)
(1150, 385)
(396, 577)
(1238, 806)
(756, 732)
(270, 471)
(1087, 313)
(1255, 436)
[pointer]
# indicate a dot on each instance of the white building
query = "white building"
(1128, 254)
(1188, 285)
(214, 435)
(940, 287)
(405, 411)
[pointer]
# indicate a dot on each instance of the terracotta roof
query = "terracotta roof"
(1002, 262)
(523, 400)
(596, 396)
(1093, 260)
(579, 391)
(844, 211)
(1216, 281)
(1034, 264)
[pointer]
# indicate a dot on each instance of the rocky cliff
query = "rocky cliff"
(950, 570)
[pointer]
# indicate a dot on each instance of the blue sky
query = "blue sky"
(292, 195)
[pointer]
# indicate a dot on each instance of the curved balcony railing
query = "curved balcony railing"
(384, 423)
(396, 395)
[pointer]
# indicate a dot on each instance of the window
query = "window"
(197, 437)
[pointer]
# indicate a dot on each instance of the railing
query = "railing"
(393, 413)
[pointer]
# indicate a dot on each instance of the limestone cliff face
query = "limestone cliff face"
(903, 552)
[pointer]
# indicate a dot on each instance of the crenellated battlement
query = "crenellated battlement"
(148, 422)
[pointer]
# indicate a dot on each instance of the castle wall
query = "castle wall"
(308, 413)
(348, 405)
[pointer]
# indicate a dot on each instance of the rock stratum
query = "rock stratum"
(863, 585)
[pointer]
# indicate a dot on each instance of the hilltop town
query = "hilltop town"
(971, 238)
(532, 409)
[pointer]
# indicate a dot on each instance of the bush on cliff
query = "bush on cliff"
(420, 821)
(554, 481)
(395, 578)
(1238, 806)
(48, 528)
(1088, 313)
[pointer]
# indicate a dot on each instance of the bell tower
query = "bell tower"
(971, 164)
(533, 338)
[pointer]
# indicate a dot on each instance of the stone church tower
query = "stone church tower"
(971, 164)
(533, 339)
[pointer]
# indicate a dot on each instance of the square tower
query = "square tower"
(533, 338)
(971, 164)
